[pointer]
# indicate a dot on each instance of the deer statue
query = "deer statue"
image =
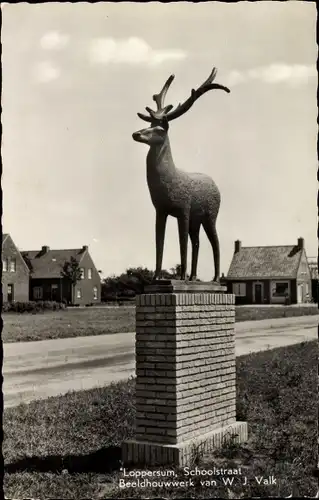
(192, 198)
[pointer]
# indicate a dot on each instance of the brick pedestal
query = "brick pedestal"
(185, 373)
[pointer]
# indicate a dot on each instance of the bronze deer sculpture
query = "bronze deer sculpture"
(192, 198)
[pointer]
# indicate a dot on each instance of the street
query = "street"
(36, 370)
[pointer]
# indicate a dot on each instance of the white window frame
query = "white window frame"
(95, 293)
(78, 293)
(5, 265)
(13, 265)
(82, 273)
(239, 289)
(38, 292)
(89, 274)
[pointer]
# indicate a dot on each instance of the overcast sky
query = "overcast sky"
(74, 77)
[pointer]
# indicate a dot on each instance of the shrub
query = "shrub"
(32, 307)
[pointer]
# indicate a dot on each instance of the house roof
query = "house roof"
(265, 262)
(49, 264)
(4, 236)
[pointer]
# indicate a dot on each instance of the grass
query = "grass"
(255, 313)
(98, 321)
(68, 323)
(69, 446)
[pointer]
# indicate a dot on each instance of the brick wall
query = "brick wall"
(185, 365)
(19, 278)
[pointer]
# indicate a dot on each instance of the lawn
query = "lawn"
(69, 446)
(97, 321)
(66, 323)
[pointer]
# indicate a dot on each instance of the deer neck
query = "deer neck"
(160, 163)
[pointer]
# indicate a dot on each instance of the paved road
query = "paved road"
(35, 370)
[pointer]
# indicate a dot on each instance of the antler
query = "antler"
(165, 112)
(195, 94)
(159, 99)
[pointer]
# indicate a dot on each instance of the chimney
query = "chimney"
(301, 243)
(45, 249)
(237, 246)
(85, 248)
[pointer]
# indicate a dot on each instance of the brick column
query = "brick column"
(185, 373)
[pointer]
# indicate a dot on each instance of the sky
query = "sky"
(74, 78)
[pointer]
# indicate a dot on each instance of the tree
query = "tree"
(127, 284)
(71, 272)
(175, 272)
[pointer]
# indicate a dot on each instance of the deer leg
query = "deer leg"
(160, 226)
(183, 227)
(210, 229)
(194, 236)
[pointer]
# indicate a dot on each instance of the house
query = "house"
(15, 272)
(46, 282)
(270, 274)
(313, 265)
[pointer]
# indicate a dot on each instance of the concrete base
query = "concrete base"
(179, 286)
(182, 454)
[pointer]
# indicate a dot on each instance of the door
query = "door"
(300, 293)
(258, 293)
(10, 293)
(54, 293)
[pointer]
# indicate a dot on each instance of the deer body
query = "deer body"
(192, 198)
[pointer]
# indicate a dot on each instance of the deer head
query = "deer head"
(159, 119)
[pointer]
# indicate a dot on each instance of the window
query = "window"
(82, 273)
(37, 292)
(89, 274)
(280, 289)
(239, 289)
(5, 264)
(95, 293)
(10, 295)
(13, 265)
(54, 287)
(78, 293)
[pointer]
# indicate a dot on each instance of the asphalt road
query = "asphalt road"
(36, 370)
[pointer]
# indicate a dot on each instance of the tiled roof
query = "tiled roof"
(49, 264)
(265, 262)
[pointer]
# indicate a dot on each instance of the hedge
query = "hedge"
(21, 307)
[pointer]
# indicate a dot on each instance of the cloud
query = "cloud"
(130, 51)
(53, 40)
(45, 72)
(295, 74)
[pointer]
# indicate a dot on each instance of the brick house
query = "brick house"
(46, 282)
(270, 274)
(15, 273)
